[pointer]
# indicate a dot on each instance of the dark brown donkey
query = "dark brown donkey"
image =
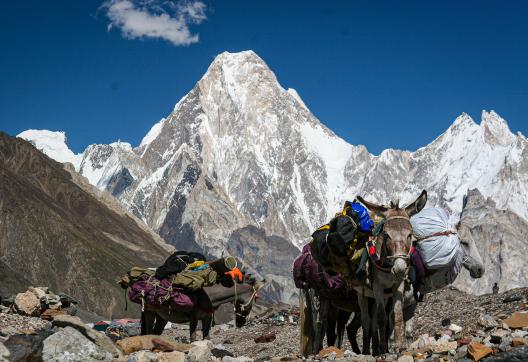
(242, 295)
(393, 247)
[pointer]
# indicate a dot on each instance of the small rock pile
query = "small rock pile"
(67, 338)
(39, 302)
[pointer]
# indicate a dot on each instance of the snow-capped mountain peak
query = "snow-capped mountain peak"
(53, 144)
(240, 151)
(496, 130)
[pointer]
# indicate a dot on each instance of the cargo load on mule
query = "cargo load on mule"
(340, 246)
(439, 248)
(177, 282)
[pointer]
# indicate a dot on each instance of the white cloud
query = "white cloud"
(167, 20)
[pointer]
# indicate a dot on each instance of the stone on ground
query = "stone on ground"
(326, 352)
(174, 356)
(405, 358)
(487, 321)
(27, 303)
(200, 352)
(50, 314)
(478, 351)
(68, 344)
(517, 320)
(4, 353)
(137, 343)
(243, 359)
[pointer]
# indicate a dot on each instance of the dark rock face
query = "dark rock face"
(54, 233)
(119, 182)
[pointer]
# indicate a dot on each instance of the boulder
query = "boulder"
(519, 333)
(68, 344)
(138, 343)
(478, 351)
(518, 342)
(50, 314)
(40, 292)
(26, 347)
(204, 343)
(200, 352)
(99, 338)
(66, 320)
(27, 304)
(517, 320)
(444, 347)
(327, 352)
(487, 321)
(4, 353)
(143, 356)
(174, 356)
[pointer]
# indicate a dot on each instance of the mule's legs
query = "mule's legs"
(331, 321)
(379, 345)
(319, 308)
(342, 319)
(352, 330)
(159, 325)
(193, 324)
(206, 326)
(148, 319)
(363, 302)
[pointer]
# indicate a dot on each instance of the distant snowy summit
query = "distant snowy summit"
(53, 144)
(240, 150)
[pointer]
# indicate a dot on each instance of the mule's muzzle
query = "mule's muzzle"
(476, 272)
(400, 267)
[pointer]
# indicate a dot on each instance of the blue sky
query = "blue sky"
(384, 74)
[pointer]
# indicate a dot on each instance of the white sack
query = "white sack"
(436, 251)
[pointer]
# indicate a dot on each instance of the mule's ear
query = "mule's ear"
(417, 205)
(377, 209)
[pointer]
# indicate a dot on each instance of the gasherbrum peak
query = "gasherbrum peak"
(242, 158)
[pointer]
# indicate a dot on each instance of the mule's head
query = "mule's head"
(244, 302)
(395, 240)
(472, 259)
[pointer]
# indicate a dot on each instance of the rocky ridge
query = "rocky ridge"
(53, 232)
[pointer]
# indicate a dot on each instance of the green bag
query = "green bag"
(195, 280)
(133, 275)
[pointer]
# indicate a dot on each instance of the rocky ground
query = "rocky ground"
(449, 325)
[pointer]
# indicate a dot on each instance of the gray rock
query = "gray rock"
(200, 351)
(237, 359)
(98, 338)
(26, 347)
(68, 344)
(143, 356)
(487, 321)
(519, 333)
(4, 353)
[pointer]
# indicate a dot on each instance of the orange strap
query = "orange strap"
(235, 273)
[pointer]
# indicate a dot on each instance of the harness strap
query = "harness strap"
(440, 233)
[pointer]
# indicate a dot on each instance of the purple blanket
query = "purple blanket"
(307, 270)
(161, 292)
